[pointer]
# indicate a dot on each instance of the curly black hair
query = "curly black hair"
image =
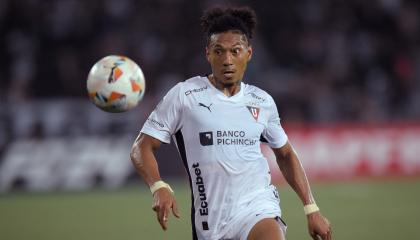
(218, 20)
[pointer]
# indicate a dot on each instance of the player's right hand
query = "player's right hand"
(163, 202)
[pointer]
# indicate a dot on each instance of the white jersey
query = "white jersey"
(218, 138)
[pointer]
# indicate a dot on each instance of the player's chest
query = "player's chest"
(214, 113)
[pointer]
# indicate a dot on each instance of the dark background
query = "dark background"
(323, 61)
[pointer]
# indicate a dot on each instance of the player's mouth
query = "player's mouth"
(228, 73)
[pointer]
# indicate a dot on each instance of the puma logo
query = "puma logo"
(208, 107)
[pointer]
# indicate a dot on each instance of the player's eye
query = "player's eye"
(218, 51)
(236, 51)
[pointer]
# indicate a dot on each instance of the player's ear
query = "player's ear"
(208, 54)
(249, 52)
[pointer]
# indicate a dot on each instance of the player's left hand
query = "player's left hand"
(319, 227)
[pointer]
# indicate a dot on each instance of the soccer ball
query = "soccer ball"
(116, 84)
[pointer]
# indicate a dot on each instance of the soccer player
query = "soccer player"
(217, 123)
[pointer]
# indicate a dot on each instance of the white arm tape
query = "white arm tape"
(310, 208)
(158, 185)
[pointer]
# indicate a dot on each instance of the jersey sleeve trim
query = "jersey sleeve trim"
(162, 136)
(278, 144)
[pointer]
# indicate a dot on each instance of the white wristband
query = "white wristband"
(310, 208)
(158, 185)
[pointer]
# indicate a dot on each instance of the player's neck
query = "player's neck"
(227, 89)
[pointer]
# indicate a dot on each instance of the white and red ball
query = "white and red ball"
(116, 84)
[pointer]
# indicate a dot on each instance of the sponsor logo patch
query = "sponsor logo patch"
(257, 97)
(195, 90)
(199, 182)
(226, 137)
(156, 122)
(206, 138)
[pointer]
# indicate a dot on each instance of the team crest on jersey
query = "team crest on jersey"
(255, 112)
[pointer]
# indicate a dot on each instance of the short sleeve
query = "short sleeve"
(274, 133)
(165, 119)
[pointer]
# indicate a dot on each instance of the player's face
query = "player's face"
(228, 54)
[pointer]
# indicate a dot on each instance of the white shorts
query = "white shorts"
(266, 205)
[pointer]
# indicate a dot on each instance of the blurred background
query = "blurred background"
(345, 76)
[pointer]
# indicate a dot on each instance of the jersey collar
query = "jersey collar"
(237, 97)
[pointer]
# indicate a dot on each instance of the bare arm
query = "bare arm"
(294, 174)
(144, 160)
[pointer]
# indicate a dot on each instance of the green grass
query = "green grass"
(362, 210)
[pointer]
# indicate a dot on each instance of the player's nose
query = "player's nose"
(228, 59)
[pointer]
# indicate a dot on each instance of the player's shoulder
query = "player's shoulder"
(257, 94)
(194, 85)
(188, 83)
(194, 82)
(183, 89)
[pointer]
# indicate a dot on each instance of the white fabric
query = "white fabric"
(221, 137)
